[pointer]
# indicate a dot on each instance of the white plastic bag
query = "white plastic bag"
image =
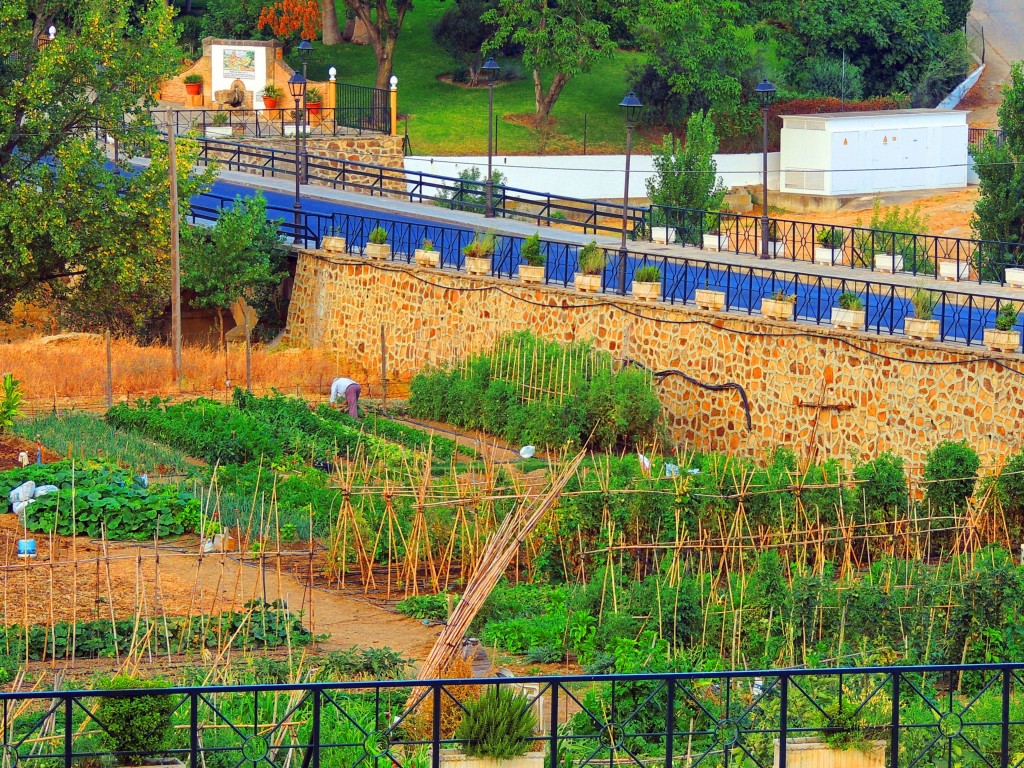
(42, 490)
(23, 492)
(19, 509)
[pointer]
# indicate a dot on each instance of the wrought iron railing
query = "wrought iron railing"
(363, 108)
(962, 316)
(234, 124)
(977, 136)
(965, 716)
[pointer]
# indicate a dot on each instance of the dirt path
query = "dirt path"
(1003, 21)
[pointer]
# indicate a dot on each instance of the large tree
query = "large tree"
(383, 21)
(564, 37)
(73, 228)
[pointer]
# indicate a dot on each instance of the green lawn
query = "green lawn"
(447, 119)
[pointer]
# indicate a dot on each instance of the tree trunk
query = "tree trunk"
(329, 20)
(383, 54)
(547, 101)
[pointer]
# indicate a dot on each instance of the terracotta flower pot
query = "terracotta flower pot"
(193, 89)
(269, 103)
(314, 107)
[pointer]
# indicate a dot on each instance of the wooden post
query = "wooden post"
(172, 160)
(110, 374)
(383, 371)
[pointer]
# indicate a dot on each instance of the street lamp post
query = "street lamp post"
(490, 68)
(765, 95)
(297, 87)
(305, 48)
(631, 110)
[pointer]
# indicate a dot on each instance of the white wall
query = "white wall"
(591, 177)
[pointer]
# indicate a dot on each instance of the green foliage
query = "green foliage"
(431, 607)
(830, 237)
(687, 176)
(461, 33)
(827, 77)
(313, 95)
(193, 79)
(378, 236)
(471, 192)
(850, 300)
(648, 274)
(566, 41)
(271, 91)
(233, 19)
(781, 295)
(845, 727)
(498, 724)
(592, 259)
(892, 230)
(481, 246)
(362, 664)
(881, 489)
(951, 471)
(135, 727)
(530, 251)
(10, 403)
(1006, 317)
(428, 245)
(956, 13)
(924, 302)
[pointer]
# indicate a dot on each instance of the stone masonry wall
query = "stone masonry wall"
(821, 391)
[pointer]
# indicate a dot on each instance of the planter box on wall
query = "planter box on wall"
(776, 248)
(851, 319)
(333, 244)
(824, 255)
(889, 262)
(588, 283)
(219, 131)
(926, 330)
(662, 235)
(453, 758)
(427, 258)
(478, 265)
(1014, 277)
(530, 274)
(779, 310)
(378, 251)
(705, 298)
(1002, 341)
(809, 752)
(716, 242)
(647, 291)
(951, 270)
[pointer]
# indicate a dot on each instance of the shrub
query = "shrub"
(220, 117)
(893, 230)
(951, 471)
(313, 95)
(882, 487)
(830, 237)
(378, 236)
(648, 274)
(10, 403)
(428, 245)
(498, 725)
(1006, 317)
(713, 223)
(481, 246)
(924, 303)
(850, 300)
(530, 251)
(135, 727)
(592, 259)
(781, 295)
(193, 79)
(272, 92)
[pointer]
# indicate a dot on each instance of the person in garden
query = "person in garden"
(349, 390)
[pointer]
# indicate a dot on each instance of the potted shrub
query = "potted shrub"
(377, 247)
(220, 124)
(533, 270)
(879, 251)
(707, 298)
(850, 312)
(495, 732)
(847, 743)
(592, 261)
(829, 249)
(714, 240)
(478, 254)
(1003, 338)
(426, 256)
(921, 325)
(647, 283)
(779, 306)
(271, 94)
(333, 243)
(135, 728)
(776, 247)
(314, 99)
(193, 84)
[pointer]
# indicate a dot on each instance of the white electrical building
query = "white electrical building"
(861, 153)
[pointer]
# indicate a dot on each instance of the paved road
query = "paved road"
(1003, 21)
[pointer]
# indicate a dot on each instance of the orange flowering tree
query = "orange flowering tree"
(286, 18)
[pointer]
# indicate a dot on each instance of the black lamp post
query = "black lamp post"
(631, 110)
(765, 95)
(297, 87)
(305, 48)
(490, 68)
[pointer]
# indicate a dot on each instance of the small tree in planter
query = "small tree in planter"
(780, 306)
(921, 325)
(1003, 338)
(478, 254)
(219, 124)
(850, 312)
(193, 84)
(377, 247)
(426, 256)
(592, 261)
(136, 727)
(708, 298)
(496, 729)
(714, 240)
(647, 283)
(830, 246)
(333, 243)
(533, 270)
(271, 94)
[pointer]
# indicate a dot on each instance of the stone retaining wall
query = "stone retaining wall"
(818, 390)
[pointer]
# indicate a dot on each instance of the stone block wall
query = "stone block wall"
(821, 391)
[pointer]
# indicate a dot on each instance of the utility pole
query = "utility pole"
(172, 159)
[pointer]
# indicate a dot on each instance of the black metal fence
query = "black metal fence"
(977, 136)
(234, 124)
(963, 317)
(968, 716)
(363, 108)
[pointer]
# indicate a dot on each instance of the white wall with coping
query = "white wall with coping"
(957, 94)
(254, 77)
(591, 177)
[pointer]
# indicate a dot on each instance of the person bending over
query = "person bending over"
(349, 390)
